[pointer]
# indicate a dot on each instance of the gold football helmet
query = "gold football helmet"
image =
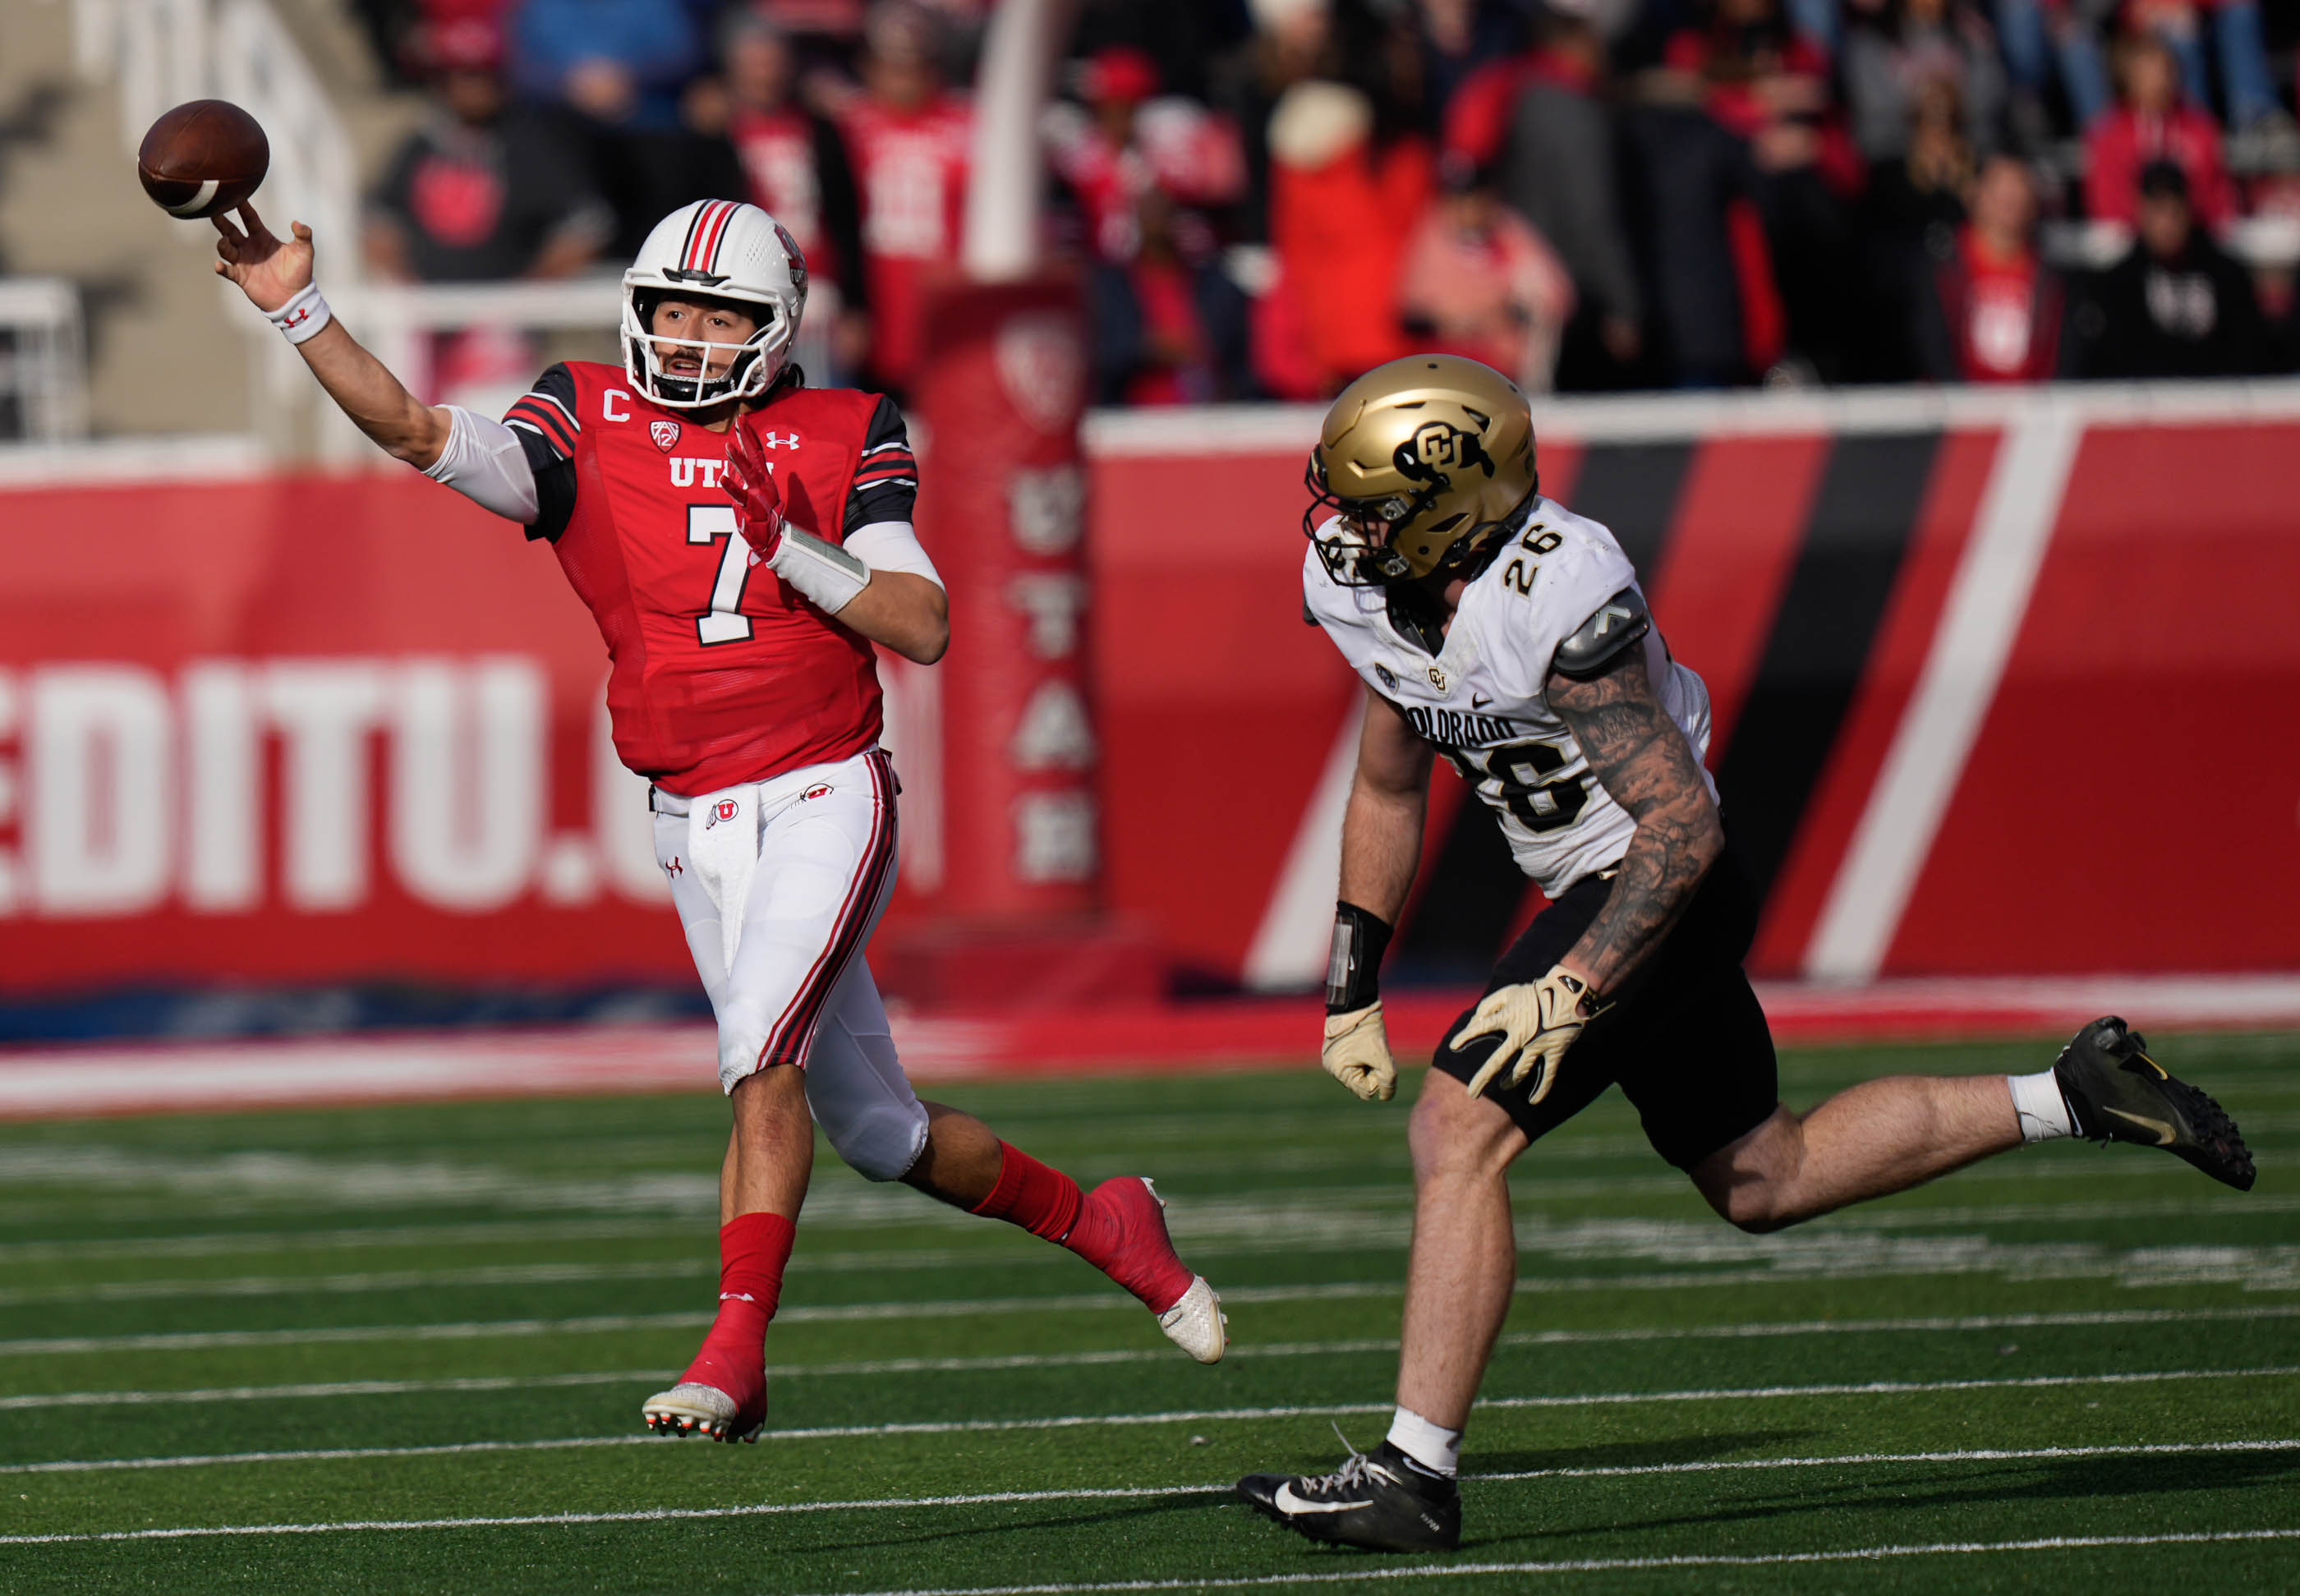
(1422, 464)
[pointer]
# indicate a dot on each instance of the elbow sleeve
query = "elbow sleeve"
(484, 461)
(892, 546)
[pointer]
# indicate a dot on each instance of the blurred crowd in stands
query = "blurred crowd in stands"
(1267, 196)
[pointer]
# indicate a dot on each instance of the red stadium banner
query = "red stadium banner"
(1978, 660)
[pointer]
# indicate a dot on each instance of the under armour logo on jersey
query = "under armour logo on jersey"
(726, 809)
(771, 439)
(665, 435)
(674, 867)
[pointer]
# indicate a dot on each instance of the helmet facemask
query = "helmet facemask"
(1356, 539)
(752, 370)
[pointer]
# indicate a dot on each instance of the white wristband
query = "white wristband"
(828, 575)
(301, 317)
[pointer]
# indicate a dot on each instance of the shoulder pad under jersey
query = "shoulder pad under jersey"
(1591, 648)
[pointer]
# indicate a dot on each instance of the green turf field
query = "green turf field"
(438, 1324)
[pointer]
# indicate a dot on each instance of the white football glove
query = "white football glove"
(1537, 1021)
(1356, 1053)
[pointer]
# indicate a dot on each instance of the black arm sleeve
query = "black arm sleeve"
(544, 419)
(555, 500)
(887, 475)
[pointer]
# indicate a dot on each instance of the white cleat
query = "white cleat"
(1198, 1324)
(692, 1409)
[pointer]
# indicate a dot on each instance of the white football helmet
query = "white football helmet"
(714, 249)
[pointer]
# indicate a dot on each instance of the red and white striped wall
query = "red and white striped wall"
(2005, 682)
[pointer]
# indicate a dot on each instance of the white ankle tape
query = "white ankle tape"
(1434, 1447)
(2044, 1112)
(302, 316)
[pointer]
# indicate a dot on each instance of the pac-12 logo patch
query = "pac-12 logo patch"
(726, 809)
(1385, 676)
(665, 435)
(819, 790)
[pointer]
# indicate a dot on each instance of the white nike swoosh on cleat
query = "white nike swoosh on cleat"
(1287, 1501)
(2162, 1128)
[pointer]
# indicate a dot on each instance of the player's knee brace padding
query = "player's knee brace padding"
(881, 1141)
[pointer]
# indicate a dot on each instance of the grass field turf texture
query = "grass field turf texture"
(415, 1317)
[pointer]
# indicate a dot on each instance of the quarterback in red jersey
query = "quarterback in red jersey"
(743, 540)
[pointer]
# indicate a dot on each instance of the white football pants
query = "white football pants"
(778, 884)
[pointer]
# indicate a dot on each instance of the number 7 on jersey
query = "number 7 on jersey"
(724, 621)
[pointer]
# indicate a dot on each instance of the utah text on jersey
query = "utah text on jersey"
(1481, 700)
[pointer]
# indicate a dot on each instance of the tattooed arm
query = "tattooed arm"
(1644, 760)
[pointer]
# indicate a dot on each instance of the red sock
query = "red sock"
(752, 1249)
(1042, 1200)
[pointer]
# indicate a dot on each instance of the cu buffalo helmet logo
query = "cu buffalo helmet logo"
(665, 435)
(1438, 448)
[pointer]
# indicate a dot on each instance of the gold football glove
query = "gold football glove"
(1356, 1053)
(1537, 1021)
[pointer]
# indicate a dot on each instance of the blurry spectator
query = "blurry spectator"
(1995, 315)
(2153, 125)
(484, 189)
(1767, 86)
(621, 62)
(795, 168)
(2176, 305)
(1911, 218)
(1339, 198)
(2248, 91)
(1896, 49)
(2040, 39)
(1459, 36)
(1292, 42)
(909, 137)
(618, 67)
(1714, 306)
(1128, 139)
(1541, 116)
(1167, 329)
(1478, 281)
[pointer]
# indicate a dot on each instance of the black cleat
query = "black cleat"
(1382, 1502)
(2116, 1092)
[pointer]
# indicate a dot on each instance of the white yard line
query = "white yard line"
(1082, 1421)
(1626, 1335)
(1862, 1554)
(1833, 1257)
(516, 1233)
(995, 1498)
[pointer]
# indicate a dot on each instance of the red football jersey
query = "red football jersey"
(719, 673)
(911, 169)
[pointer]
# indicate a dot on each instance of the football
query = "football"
(202, 158)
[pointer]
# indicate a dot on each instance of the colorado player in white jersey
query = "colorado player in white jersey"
(1494, 626)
